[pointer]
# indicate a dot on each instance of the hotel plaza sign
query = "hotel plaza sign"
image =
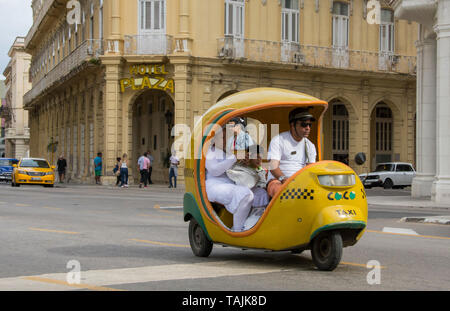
(149, 76)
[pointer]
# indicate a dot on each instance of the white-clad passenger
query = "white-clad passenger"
(221, 189)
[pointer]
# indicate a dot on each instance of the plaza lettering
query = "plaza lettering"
(146, 78)
(158, 83)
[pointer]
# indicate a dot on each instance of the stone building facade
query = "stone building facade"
(118, 81)
(17, 131)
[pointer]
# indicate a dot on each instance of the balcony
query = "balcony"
(148, 44)
(44, 9)
(314, 56)
(87, 50)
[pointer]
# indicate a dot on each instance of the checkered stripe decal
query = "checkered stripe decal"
(298, 193)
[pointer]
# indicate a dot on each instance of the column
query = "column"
(441, 186)
(365, 125)
(425, 116)
(112, 118)
(182, 79)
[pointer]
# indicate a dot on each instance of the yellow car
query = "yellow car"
(32, 171)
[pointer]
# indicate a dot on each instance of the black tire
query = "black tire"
(326, 250)
(200, 244)
(388, 184)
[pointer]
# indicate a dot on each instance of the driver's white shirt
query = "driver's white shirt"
(291, 153)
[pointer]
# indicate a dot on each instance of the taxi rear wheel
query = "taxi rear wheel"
(200, 244)
(326, 250)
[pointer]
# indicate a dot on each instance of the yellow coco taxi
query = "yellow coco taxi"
(321, 208)
(31, 171)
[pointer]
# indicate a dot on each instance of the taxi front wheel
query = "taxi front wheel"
(326, 250)
(200, 244)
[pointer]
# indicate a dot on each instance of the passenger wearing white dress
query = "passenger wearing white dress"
(219, 188)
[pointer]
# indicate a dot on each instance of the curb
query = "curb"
(442, 220)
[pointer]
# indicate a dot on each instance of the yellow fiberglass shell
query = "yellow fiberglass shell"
(286, 222)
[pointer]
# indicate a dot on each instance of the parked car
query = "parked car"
(32, 171)
(6, 168)
(389, 175)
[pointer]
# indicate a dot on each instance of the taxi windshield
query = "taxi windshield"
(385, 168)
(34, 163)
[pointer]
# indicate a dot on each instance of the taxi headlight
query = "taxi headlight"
(23, 172)
(49, 173)
(337, 180)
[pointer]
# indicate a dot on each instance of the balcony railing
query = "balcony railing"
(314, 56)
(149, 44)
(88, 49)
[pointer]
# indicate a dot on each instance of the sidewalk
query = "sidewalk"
(406, 201)
(409, 202)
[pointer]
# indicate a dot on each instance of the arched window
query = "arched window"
(383, 133)
(340, 128)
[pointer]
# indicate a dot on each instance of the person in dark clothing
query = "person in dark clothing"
(149, 156)
(116, 170)
(61, 166)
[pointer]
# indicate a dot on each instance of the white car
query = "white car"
(389, 175)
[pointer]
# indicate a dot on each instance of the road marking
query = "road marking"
(160, 243)
(101, 279)
(53, 231)
(357, 264)
(22, 205)
(166, 211)
(400, 231)
(52, 208)
(169, 207)
(413, 235)
(81, 286)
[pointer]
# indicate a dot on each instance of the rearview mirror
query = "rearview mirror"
(360, 158)
(14, 165)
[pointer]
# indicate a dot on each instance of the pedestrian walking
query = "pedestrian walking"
(116, 170)
(124, 171)
(61, 167)
(144, 165)
(149, 156)
(98, 166)
(173, 170)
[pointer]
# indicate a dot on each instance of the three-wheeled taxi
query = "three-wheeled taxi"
(322, 207)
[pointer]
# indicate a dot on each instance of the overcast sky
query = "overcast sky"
(16, 19)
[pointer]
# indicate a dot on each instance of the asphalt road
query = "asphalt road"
(136, 239)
